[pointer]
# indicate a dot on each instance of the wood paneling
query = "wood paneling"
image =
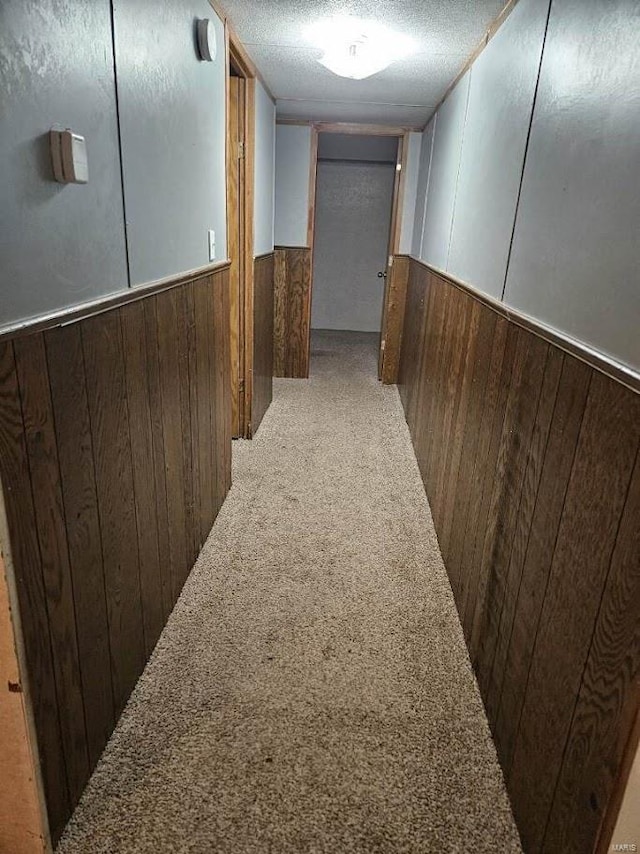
(263, 339)
(115, 456)
(236, 247)
(393, 318)
(530, 462)
(292, 312)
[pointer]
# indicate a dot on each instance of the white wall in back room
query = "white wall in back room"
(60, 245)
(293, 155)
(265, 172)
(172, 120)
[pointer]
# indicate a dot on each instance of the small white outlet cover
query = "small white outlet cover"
(212, 246)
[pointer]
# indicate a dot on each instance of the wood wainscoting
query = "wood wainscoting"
(262, 374)
(292, 312)
(115, 457)
(529, 457)
(393, 319)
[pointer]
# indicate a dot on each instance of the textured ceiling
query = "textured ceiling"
(447, 32)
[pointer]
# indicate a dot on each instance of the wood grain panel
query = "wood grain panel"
(592, 511)
(220, 390)
(65, 363)
(108, 410)
(520, 413)
(115, 456)
(393, 317)
(157, 444)
(530, 462)
(44, 471)
(31, 594)
(608, 698)
(292, 312)
(171, 394)
(556, 469)
(141, 437)
(263, 342)
(204, 412)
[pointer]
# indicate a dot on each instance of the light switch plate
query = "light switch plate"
(212, 245)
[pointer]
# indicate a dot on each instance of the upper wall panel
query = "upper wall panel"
(172, 118)
(410, 193)
(293, 155)
(445, 162)
(60, 245)
(422, 190)
(265, 169)
(500, 103)
(576, 252)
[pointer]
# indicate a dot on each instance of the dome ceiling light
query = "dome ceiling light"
(358, 48)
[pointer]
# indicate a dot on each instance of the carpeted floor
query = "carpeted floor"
(312, 690)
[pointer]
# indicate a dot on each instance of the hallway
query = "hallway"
(312, 691)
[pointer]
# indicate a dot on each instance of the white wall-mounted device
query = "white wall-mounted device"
(206, 33)
(69, 157)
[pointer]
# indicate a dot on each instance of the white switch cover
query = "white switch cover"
(212, 246)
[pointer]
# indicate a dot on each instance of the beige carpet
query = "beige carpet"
(312, 690)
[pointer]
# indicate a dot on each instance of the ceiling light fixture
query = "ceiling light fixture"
(358, 48)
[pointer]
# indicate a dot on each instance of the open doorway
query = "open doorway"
(240, 159)
(354, 199)
(358, 185)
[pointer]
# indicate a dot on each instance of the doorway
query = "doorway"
(240, 158)
(356, 195)
(354, 199)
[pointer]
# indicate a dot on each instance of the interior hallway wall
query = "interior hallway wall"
(422, 187)
(408, 212)
(64, 245)
(353, 215)
(576, 252)
(293, 156)
(265, 170)
(172, 123)
(572, 266)
(59, 245)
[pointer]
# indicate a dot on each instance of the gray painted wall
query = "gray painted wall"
(265, 172)
(293, 155)
(445, 162)
(422, 189)
(353, 217)
(501, 94)
(410, 193)
(64, 245)
(575, 255)
(576, 251)
(59, 244)
(172, 119)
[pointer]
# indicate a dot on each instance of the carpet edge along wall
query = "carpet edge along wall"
(530, 461)
(115, 458)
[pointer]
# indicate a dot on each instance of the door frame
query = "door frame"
(402, 134)
(236, 54)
